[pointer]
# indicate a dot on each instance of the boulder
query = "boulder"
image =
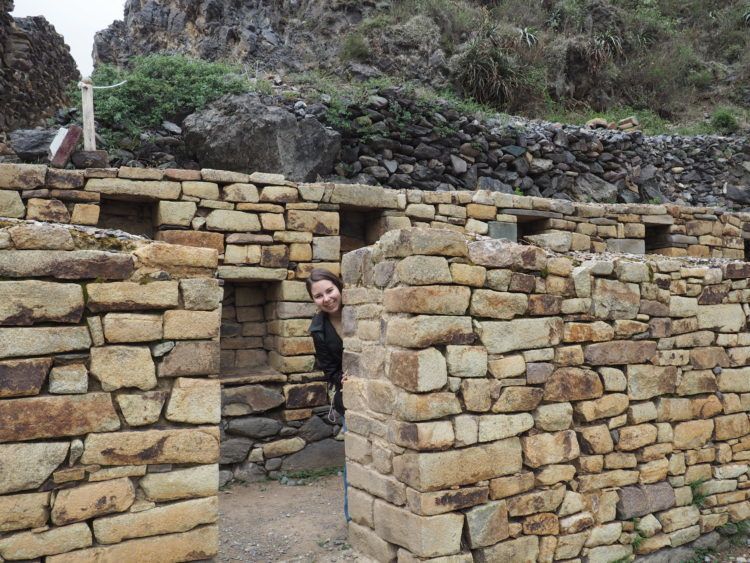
(241, 133)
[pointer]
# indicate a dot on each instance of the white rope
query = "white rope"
(85, 85)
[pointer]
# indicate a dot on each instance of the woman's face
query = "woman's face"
(326, 296)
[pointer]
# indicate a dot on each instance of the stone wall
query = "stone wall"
(109, 397)
(509, 403)
(269, 233)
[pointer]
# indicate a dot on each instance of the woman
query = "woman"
(325, 289)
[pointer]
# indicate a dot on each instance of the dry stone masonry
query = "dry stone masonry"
(110, 401)
(514, 404)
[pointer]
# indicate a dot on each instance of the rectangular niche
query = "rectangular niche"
(134, 217)
(360, 227)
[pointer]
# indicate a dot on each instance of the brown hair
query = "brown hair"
(319, 274)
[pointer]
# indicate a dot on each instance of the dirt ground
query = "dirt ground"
(270, 522)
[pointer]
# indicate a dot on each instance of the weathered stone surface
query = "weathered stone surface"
(49, 417)
(646, 381)
(201, 294)
(522, 334)
(554, 417)
(428, 299)
(692, 434)
(177, 517)
(428, 406)
(132, 327)
(500, 426)
(195, 401)
(487, 524)
(200, 481)
(723, 318)
(129, 296)
(19, 378)
(418, 371)
(434, 471)
(522, 550)
(731, 426)
(175, 213)
(248, 399)
(633, 437)
(38, 341)
(177, 258)
(11, 205)
(26, 466)
(440, 502)
(318, 455)
(616, 478)
(466, 361)
(30, 545)
(366, 541)
(423, 270)
(253, 427)
(537, 501)
(615, 300)
(542, 524)
(199, 357)
(518, 399)
(498, 305)
(640, 500)
(505, 254)
(572, 384)
(139, 190)
(195, 445)
(191, 325)
(200, 543)
(19, 512)
(427, 242)
(29, 302)
(425, 536)
(94, 499)
(123, 366)
(316, 222)
(59, 264)
(200, 239)
(305, 395)
(142, 408)
(619, 352)
(607, 406)
(423, 331)
(545, 449)
(285, 446)
(734, 380)
(69, 379)
(678, 518)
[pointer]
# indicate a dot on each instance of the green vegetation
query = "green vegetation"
(699, 497)
(160, 87)
(313, 474)
(724, 121)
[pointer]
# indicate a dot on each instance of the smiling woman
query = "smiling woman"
(66, 18)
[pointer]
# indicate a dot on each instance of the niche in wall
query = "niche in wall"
(134, 217)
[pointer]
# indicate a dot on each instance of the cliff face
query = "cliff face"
(282, 34)
(36, 69)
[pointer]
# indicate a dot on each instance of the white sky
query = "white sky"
(76, 21)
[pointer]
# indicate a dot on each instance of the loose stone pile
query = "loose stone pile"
(508, 403)
(109, 397)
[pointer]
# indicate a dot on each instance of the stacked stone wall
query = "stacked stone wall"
(508, 403)
(269, 233)
(110, 401)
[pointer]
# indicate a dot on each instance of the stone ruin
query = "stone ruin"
(509, 402)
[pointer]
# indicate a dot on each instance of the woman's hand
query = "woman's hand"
(344, 377)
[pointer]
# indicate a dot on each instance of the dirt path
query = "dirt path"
(269, 522)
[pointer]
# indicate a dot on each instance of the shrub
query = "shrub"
(160, 87)
(355, 48)
(724, 121)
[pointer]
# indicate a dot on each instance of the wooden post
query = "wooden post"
(87, 99)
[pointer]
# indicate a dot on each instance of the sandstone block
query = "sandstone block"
(427, 242)
(195, 401)
(28, 545)
(142, 408)
(39, 341)
(422, 436)
(59, 264)
(634, 437)
(191, 325)
(194, 445)
(692, 434)
(596, 440)
(427, 299)
(132, 327)
(123, 366)
(728, 317)
(542, 524)
(678, 518)
(175, 213)
(505, 254)
(619, 352)
(509, 486)
(615, 300)
(734, 380)
(554, 417)
(26, 466)
(522, 550)
(130, 296)
(498, 305)
(466, 361)
(199, 357)
(149, 190)
(500, 426)
(423, 270)
(646, 381)
(429, 330)
(279, 448)
(572, 384)
(305, 396)
(420, 371)
(440, 502)
(616, 478)
(518, 399)
(425, 536)
(11, 205)
(52, 210)
(197, 239)
(50, 417)
(92, 500)
(18, 512)
(201, 294)
(232, 221)
(30, 302)
(433, 471)
(20, 378)
(316, 222)
(521, 334)
(366, 541)
(545, 449)
(487, 524)
(731, 426)
(607, 406)
(370, 480)
(249, 399)
(537, 501)
(427, 406)
(199, 481)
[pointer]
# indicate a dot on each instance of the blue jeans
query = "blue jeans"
(346, 490)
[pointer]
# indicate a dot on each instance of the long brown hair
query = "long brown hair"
(319, 274)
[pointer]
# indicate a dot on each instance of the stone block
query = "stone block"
(137, 190)
(426, 242)
(640, 500)
(130, 296)
(250, 399)
(47, 210)
(487, 524)
(197, 239)
(609, 405)
(27, 466)
(440, 502)
(423, 331)
(693, 434)
(175, 213)
(30, 302)
(731, 426)
(11, 205)
(195, 401)
(498, 305)
(194, 445)
(619, 352)
(518, 399)
(92, 500)
(615, 300)
(466, 361)
(30, 545)
(19, 378)
(132, 327)
(504, 254)
(646, 381)
(191, 325)
(428, 299)
(39, 341)
(423, 270)
(142, 408)
(199, 481)
(426, 406)
(572, 384)
(123, 366)
(316, 222)
(545, 449)
(521, 550)
(500, 426)
(366, 541)
(18, 512)
(418, 371)
(65, 265)
(500, 337)
(554, 417)
(177, 258)
(199, 357)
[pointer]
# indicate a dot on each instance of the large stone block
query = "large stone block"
(728, 317)
(607, 406)
(497, 304)
(731, 426)
(41, 236)
(678, 518)
(422, 436)
(65, 265)
(640, 500)
(316, 222)
(39, 341)
(367, 542)
(29, 302)
(198, 357)
(194, 445)
(429, 330)
(30, 545)
(136, 190)
(521, 550)
(22, 176)
(177, 258)
(306, 395)
(434, 471)
(177, 517)
(200, 239)
(50, 417)
(466, 361)
(198, 544)
(123, 366)
(423, 270)
(427, 242)
(249, 399)
(191, 325)
(545, 449)
(505, 254)
(26, 466)
(734, 380)
(418, 371)
(428, 300)
(424, 536)
(521, 334)
(19, 512)
(572, 384)
(132, 327)
(19, 378)
(487, 524)
(201, 294)
(692, 434)
(537, 501)
(130, 296)
(646, 381)
(195, 401)
(440, 502)
(200, 481)
(428, 406)
(141, 408)
(92, 500)
(619, 352)
(175, 213)
(613, 299)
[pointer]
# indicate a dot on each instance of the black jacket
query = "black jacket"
(329, 352)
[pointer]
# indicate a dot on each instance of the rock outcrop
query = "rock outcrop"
(36, 69)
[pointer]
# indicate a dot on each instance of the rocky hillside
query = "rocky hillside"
(36, 69)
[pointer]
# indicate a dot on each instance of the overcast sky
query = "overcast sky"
(76, 21)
